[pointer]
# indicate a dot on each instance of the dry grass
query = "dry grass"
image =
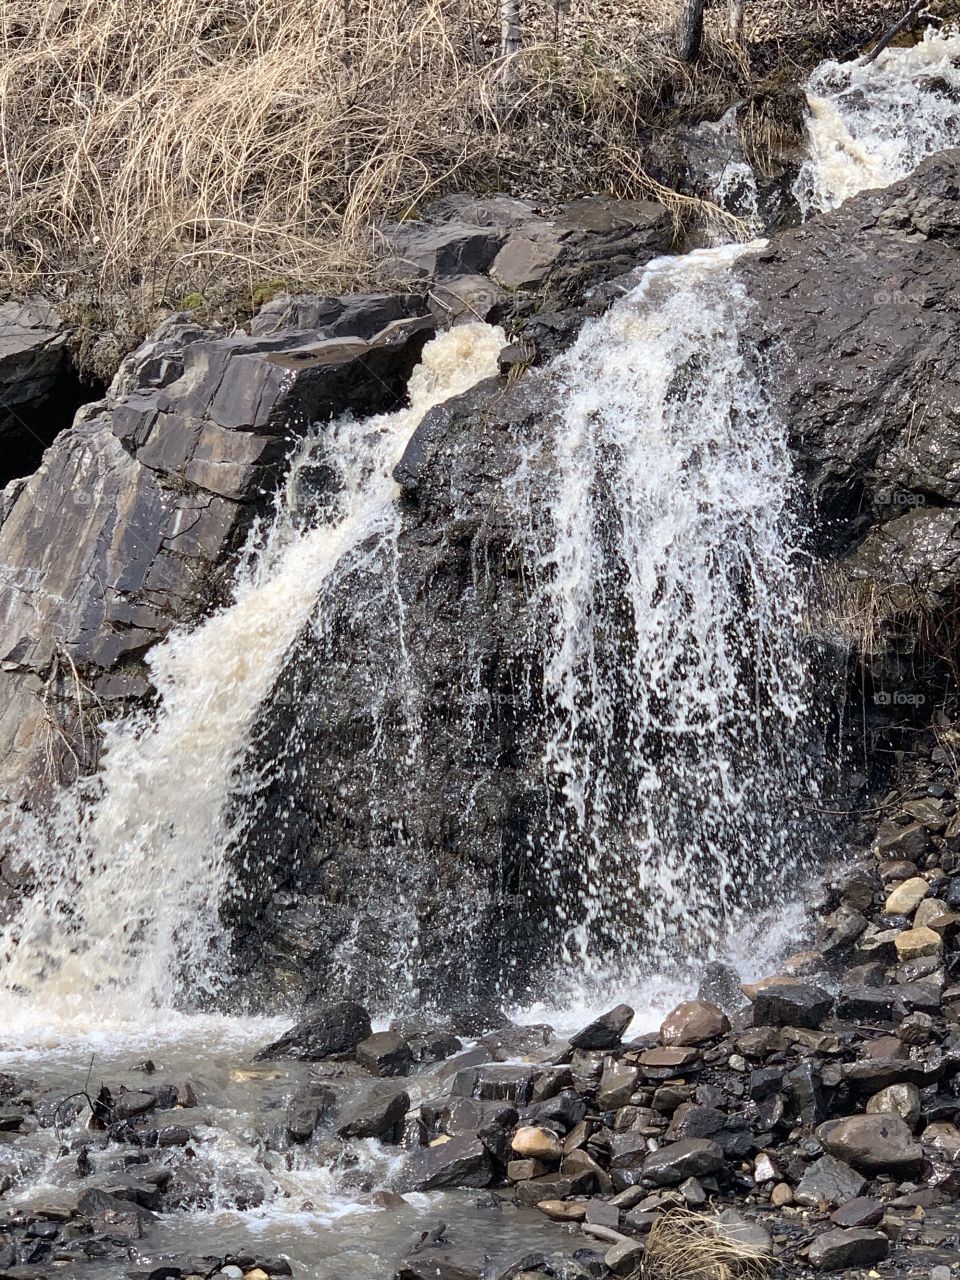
(157, 152)
(692, 1246)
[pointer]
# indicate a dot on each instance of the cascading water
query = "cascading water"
(127, 907)
(674, 670)
(871, 123)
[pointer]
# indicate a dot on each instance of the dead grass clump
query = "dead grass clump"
(690, 1246)
(161, 150)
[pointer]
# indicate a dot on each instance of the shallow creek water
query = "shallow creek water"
(255, 1192)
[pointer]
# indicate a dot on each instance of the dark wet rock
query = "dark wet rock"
(306, 1108)
(378, 1112)
(880, 1073)
(496, 1083)
(128, 1104)
(872, 1144)
(328, 1030)
(791, 1005)
(861, 1212)
(678, 1161)
(829, 1182)
(617, 1085)
(39, 389)
(838, 1250)
(805, 1092)
(436, 1266)
(511, 1041)
(555, 1186)
(605, 1032)
(114, 1216)
(460, 1162)
(385, 1053)
(151, 490)
(848, 403)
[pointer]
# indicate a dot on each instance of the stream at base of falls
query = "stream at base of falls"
(677, 777)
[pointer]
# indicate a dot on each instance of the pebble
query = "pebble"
(906, 897)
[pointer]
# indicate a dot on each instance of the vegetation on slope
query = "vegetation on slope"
(196, 153)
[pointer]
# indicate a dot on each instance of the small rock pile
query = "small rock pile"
(822, 1102)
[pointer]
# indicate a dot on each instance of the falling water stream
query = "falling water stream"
(669, 593)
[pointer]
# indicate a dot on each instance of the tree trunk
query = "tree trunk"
(509, 28)
(691, 30)
(736, 20)
(510, 42)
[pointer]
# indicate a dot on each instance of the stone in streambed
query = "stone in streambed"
(110, 1215)
(913, 943)
(564, 1210)
(461, 1162)
(829, 1182)
(325, 1031)
(624, 1259)
(617, 1085)
(841, 1249)
(678, 1161)
(904, 898)
(605, 1032)
(375, 1114)
(431, 1265)
(385, 1053)
(791, 1004)
(694, 1022)
(872, 1144)
(861, 1212)
(897, 1099)
(305, 1110)
(537, 1144)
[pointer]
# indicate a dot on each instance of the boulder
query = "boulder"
(459, 1162)
(860, 1212)
(842, 1249)
(604, 1032)
(897, 1099)
(693, 1023)
(385, 1053)
(872, 1144)
(325, 1031)
(617, 1085)
(922, 941)
(791, 1004)
(674, 1163)
(829, 1182)
(378, 1111)
(306, 1108)
(537, 1144)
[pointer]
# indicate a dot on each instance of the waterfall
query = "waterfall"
(871, 123)
(674, 672)
(132, 871)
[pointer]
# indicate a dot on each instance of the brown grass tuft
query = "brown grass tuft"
(691, 1246)
(171, 153)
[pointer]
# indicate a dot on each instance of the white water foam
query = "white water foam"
(131, 877)
(674, 673)
(871, 123)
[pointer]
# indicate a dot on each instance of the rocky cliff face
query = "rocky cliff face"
(400, 754)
